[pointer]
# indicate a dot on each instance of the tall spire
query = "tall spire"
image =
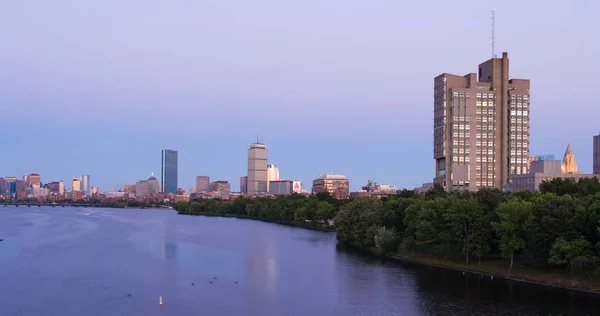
(569, 164)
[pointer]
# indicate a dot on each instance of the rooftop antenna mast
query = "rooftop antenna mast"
(494, 33)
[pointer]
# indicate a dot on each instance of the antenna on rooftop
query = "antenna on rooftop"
(494, 33)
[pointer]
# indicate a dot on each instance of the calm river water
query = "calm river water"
(57, 261)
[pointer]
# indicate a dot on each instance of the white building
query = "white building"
(272, 172)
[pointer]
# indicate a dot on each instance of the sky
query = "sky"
(330, 86)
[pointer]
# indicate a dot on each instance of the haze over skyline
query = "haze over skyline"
(101, 87)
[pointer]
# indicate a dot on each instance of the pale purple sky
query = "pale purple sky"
(100, 87)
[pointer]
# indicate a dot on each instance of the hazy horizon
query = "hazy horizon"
(101, 87)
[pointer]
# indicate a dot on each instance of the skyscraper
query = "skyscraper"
(257, 169)
(244, 184)
(76, 184)
(481, 127)
(168, 174)
(85, 185)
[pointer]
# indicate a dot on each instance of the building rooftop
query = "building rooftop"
(332, 176)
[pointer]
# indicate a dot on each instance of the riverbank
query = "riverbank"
(496, 269)
(290, 223)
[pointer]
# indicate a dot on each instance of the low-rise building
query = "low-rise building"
(280, 187)
(540, 171)
(220, 187)
(182, 198)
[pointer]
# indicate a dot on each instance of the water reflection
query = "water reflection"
(83, 265)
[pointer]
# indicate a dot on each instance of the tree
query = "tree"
(462, 217)
(555, 216)
(386, 240)
(357, 220)
(513, 216)
(195, 207)
(577, 254)
(182, 207)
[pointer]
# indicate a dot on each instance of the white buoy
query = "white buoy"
(160, 300)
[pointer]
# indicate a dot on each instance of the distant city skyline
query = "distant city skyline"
(348, 92)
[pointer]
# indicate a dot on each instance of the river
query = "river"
(58, 261)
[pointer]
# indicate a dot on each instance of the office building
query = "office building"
(337, 185)
(153, 186)
(244, 184)
(130, 188)
(76, 184)
(33, 180)
(202, 183)
(11, 187)
(257, 169)
(85, 185)
(596, 159)
(280, 187)
(481, 127)
(20, 185)
(272, 174)
(376, 188)
(168, 175)
(2, 186)
(221, 187)
(61, 187)
(54, 187)
(142, 189)
(541, 170)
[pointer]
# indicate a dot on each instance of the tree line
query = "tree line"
(557, 226)
(311, 211)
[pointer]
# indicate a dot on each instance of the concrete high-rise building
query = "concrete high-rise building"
(202, 183)
(33, 180)
(596, 168)
(244, 184)
(272, 174)
(61, 187)
(76, 184)
(2, 186)
(481, 127)
(257, 169)
(85, 185)
(168, 174)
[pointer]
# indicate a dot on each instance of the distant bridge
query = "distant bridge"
(54, 205)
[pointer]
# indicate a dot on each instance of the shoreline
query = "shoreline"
(291, 224)
(451, 266)
(435, 263)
